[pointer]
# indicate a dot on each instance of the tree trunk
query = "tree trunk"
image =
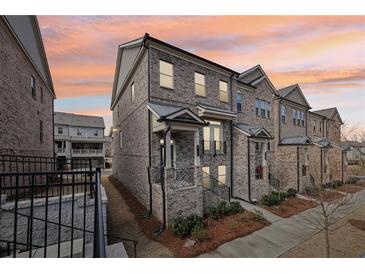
(326, 235)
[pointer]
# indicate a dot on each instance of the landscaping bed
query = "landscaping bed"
(290, 207)
(349, 188)
(360, 224)
(221, 225)
(285, 204)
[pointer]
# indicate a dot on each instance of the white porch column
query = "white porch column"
(168, 149)
(196, 143)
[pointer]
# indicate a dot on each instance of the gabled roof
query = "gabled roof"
(284, 93)
(348, 144)
(300, 140)
(322, 142)
(165, 112)
(211, 111)
(26, 30)
(253, 131)
(329, 113)
(70, 119)
(257, 80)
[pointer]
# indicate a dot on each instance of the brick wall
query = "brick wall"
(20, 112)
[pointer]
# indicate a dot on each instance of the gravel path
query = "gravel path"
(122, 223)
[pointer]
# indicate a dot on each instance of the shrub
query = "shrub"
(199, 234)
(183, 226)
(271, 199)
(332, 184)
(258, 215)
(311, 190)
(225, 209)
(352, 180)
(291, 192)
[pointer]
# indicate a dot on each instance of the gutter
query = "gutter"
(163, 227)
(249, 168)
(321, 166)
(280, 120)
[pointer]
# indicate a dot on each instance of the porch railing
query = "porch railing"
(184, 177)
(87, 152)
(274, 182)
(213, 147)
(46, 212)
(216, 187)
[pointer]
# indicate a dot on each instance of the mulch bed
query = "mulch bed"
(349, 188)
(327, 196)
(218, 231)
(360, 224)
(290, 207)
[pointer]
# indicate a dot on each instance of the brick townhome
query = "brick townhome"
(26, 89)
(229, 134)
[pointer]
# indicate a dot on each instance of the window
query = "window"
(60, 130)
(223, 93)
(257, 105)
(314, 125)
(302, 119)
(79, 133)
(213, 132)
(41, 131)
(268, 146)
(199, 84)
(304, 170)
(262, 105)
(283, 114)
(268, 109)
(132, 92)
(206, 177)
(120, 140)
(259, 172)
(239, 99)
(166, 75)
(41, 95)
(320, 126)
(294, 116)
(259, 147)
(33, 86)
(96, 132)
(298, 118)
(222, 175)
(325, 161)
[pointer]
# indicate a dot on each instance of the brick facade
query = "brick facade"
(21, 113)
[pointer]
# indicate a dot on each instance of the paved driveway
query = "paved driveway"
(274, 240)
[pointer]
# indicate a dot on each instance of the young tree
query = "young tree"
(331, 206)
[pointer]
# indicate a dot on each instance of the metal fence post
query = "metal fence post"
(99, 239)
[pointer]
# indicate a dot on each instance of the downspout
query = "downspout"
(249, 168)
(53, 143)
(280, 120)
(342, 166)
(231, 130)
(149, 132)
(163, 183)
(321, 167)
(298, 169)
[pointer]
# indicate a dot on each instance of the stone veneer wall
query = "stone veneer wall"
(286, 166)
(20, 112)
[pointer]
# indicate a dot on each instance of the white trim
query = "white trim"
(203, 112)
(241, 130)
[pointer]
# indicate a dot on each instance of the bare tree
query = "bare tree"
(348, 131)
(331, 206)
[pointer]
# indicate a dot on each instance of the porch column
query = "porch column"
(196, 143)
(168, 149)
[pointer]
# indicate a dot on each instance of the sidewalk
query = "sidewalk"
(274, 240)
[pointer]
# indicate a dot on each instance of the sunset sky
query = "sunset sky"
(325, 55)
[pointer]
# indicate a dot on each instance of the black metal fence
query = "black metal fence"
(213, 147)
(213, 185)
(51, 208)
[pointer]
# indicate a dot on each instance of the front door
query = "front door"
(162, 153)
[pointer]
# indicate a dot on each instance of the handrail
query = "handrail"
(99, 239)
(217, 184)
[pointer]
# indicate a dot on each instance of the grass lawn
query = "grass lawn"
(290, 207)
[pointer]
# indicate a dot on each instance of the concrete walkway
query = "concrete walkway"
(274, 240)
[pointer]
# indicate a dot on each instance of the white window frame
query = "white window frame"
(263, 108)
(283, 114)
(120, 139)
(213, 126)
(78, 132)
(222, 174)
(294, 117)
(162, 74)
(223, 94)
(206, 176)
(132, 92)
(240, 96)
(197, 85)
(268, 109)
(302, 120)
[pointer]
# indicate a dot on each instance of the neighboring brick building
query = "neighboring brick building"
(26, 89)
(230, 134)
